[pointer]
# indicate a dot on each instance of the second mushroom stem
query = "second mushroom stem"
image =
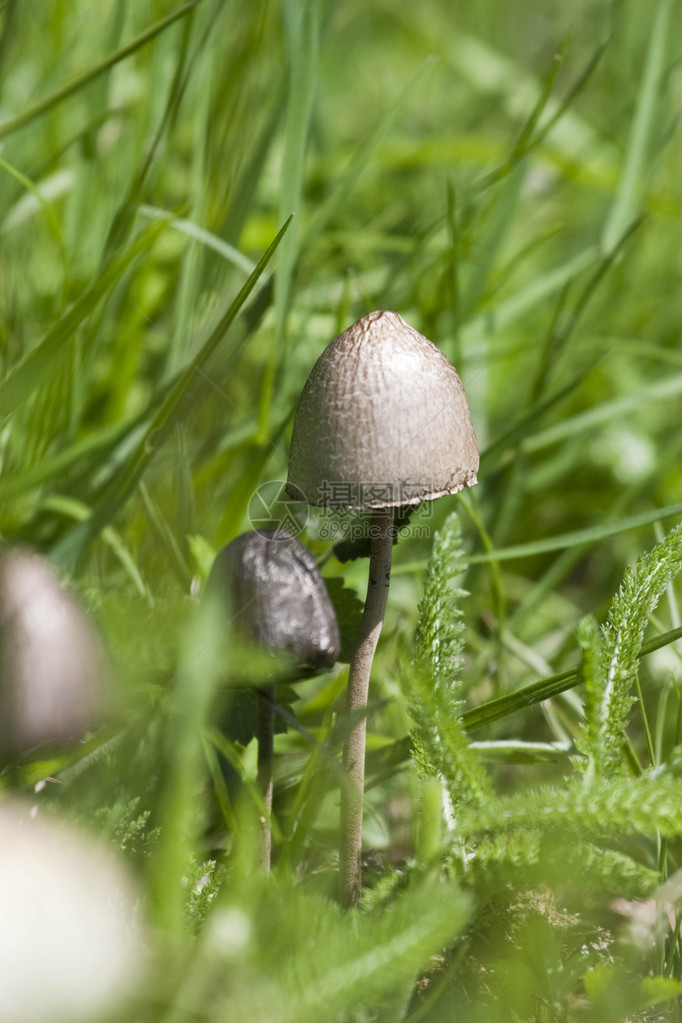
(266, 735)
(356, 702)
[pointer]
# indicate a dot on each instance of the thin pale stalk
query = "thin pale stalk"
(356, 701)
(266, 734)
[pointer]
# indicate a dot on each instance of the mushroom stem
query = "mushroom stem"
(266, 732)
(356, 700)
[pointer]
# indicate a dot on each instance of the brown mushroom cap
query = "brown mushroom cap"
(383, 421)
(52, 671)
(269, 584)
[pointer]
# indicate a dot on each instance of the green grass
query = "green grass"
(507, 178)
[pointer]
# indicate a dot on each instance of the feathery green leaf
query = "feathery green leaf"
(611, 656)
(431, 682)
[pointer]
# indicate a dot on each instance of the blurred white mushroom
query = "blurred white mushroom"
(51, 664)
(70, 945)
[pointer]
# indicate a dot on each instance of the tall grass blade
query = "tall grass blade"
(42, 362)
(199, 234)
(560, 542)
(536, 692)
(350, 175)
(84, 79)
(125, 481)
(661, 390)
(303, 56)
(645, 121)
(68, 506)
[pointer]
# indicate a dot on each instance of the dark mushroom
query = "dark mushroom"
(383, 422)
(52, 675)
(270, 589)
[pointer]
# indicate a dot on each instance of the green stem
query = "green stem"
(356, 702)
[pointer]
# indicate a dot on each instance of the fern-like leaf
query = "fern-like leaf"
(431, 683)
(441, 745)
(440, 625)
(611, 656)
(322, 964)
(609, 808)
(541, 859)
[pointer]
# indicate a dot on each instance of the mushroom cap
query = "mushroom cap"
(271, 585)
(51, 663)
(383, 421)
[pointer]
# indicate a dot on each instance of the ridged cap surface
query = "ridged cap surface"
(270, 584)
(383, 421)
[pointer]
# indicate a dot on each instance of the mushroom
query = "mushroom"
(382, 422)
(70, 943)
(269, 586)
(51, 664)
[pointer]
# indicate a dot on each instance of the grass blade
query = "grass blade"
(43, 105)
(200, 234)
(349, 177)
(660, 391)
(638, 156)
(519, 430)
(41, 363)
(120, 488)
(64, 505)
(302, 86)
(557, 543)
(536, 692)
(501, 316)
(492, 73)
(61, 462)
(503, 706)
(78, 83)
(579, 536)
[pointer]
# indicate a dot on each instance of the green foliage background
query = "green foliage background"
(507, 177)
